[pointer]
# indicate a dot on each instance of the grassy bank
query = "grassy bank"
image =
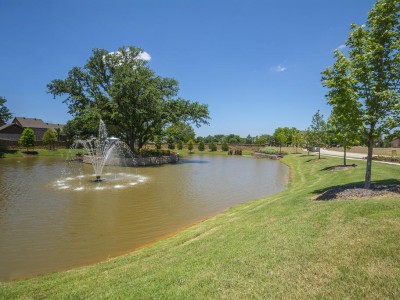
(62, 152)
(284, 246)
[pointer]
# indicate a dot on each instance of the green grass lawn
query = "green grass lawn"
(63, 152)
(284, 246)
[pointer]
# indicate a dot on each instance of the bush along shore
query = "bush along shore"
(289, 245)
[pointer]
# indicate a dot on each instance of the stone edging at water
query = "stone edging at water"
(139, 161)
(264, 155)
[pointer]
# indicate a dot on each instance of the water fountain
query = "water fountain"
(100, 149)
(99, 152)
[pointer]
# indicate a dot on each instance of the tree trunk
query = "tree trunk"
(367, 184)
(319, 152)
(344, 154)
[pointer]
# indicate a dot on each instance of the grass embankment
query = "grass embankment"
(62, 152)
(284, 246)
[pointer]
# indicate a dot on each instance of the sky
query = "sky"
(256, 63)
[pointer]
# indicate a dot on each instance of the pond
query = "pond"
(46, 228)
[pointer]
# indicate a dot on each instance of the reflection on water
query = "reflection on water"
(44, 228)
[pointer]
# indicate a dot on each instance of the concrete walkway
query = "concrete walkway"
(354, 156)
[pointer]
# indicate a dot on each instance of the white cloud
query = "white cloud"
(341, 47)
(144, 56)
(279, 68)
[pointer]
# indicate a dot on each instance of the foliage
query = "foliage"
(345, 122)
(5, 113)
(372, 75)
(49, 138)
(27, 138)
(297, 138)
(224, 146)
(272, 151)
(120, 88)
(318, 129)
(212, 146)
(180, 132)
(190, 145)
(157, 142)
(282, 136)
(170, 142)
(201, 146)
(179, 145)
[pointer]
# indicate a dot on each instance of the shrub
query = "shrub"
(212, 146)
(180, 145)
(190, 145)
(201, 146)
(224, 146)
(27, 138)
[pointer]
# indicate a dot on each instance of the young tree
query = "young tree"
(281, 136)
(212, 146)
(157, 142)
(224, 146)
(5, 114)
(201, 146)
(318, 130)
(308, 138)
(27, 138)
(179, 145)
(374, 69)
(190, 146)
(49, 138)
(297, 138)
(120, 88)
(171, 143)
(345, 122)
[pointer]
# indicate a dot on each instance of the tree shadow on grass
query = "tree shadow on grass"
(356, 190)
(313, 159)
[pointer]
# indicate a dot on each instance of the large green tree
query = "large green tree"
(5, 113)
(120, 88)
(374, 59)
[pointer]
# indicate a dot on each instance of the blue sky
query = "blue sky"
(255, 63)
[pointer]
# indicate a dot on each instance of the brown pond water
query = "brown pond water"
(50, 225)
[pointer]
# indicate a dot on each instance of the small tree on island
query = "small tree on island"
(157, 142)
(190, 146)
(180, 145)
(49, 138)
(27, 138)
(201, 146)
(212, 146)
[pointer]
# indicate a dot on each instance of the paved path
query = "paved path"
(339, 153)
(350, 155)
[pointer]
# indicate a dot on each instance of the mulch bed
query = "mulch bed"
(339, 167)
(357, 192)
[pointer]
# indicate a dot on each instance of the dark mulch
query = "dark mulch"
(358, 192)
(339, 167)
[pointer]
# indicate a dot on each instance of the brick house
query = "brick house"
(395, 143)
(13, 131)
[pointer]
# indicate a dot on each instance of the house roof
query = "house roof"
(35, 123)
(5, 126)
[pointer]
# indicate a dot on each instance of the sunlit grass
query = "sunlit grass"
(284, 246)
